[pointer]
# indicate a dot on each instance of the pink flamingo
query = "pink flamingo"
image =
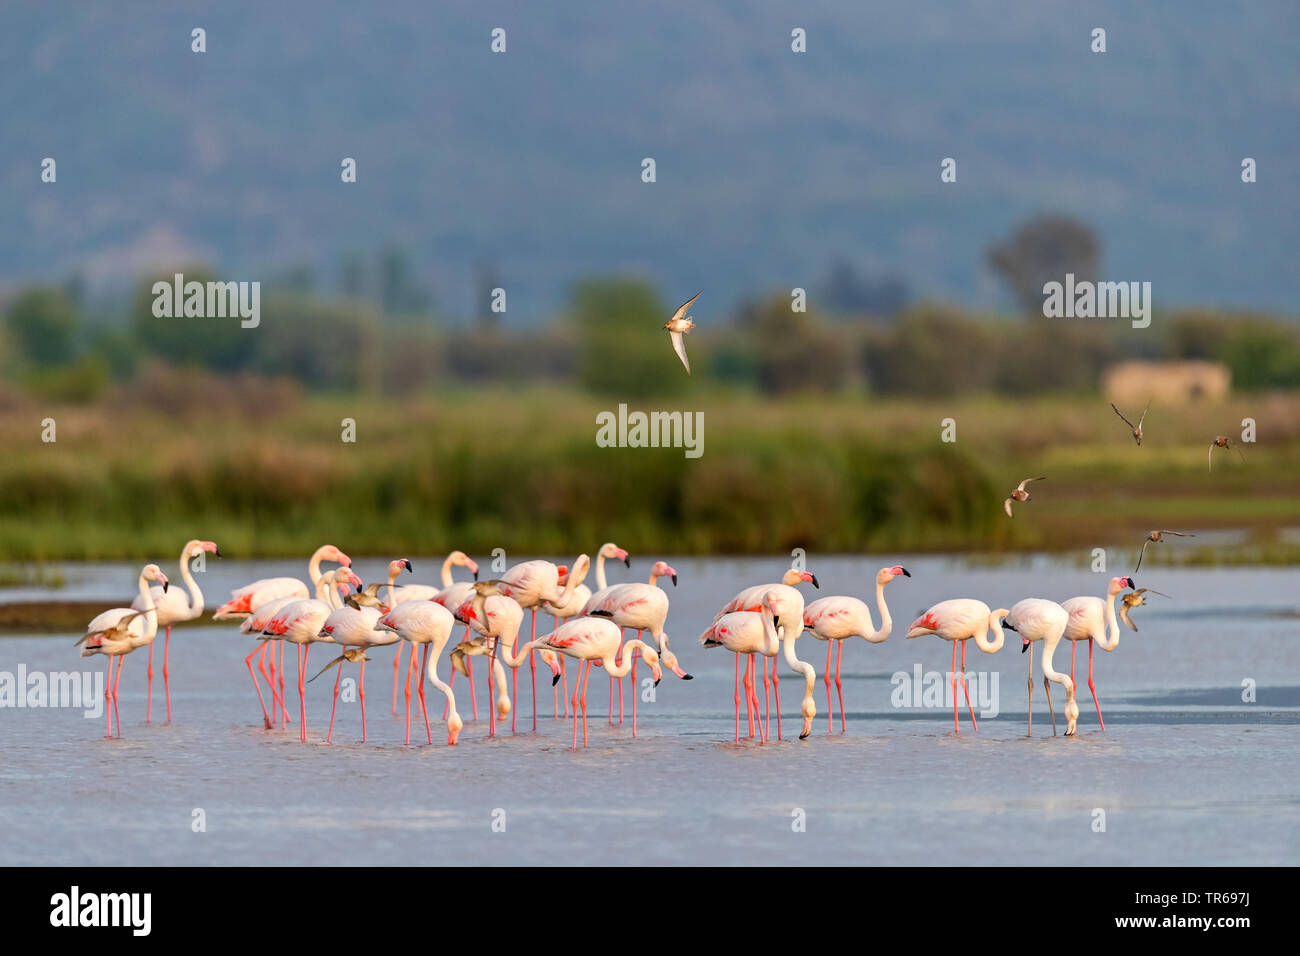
(299, 622)
(643, 607)
(958, 620)
(835, 619)
(574, 608)
(244, 601)
(591, 640)
(496, 620)
(1036, 619)
(120, 630)
(607, 550)
(174, 607)
(1093, 620)
(531, 584)
(790, 619)
(430, 624)
(354, 629)
(452, 595)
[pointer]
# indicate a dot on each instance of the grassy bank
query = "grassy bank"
(522, 471)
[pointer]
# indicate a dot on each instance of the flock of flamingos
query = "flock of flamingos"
(758, 623)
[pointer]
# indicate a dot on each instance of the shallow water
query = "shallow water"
(1186, 772)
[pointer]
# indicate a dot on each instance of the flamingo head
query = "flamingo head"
(578, 573)
(885, 575)
(1119, 584)
(794, 577)
(665, 570)
(463, 560)
(196, 546)
(346, 576)
(154, 573)
(651, 657)
(397, 567)
(331, 553)
(670, 661)
(610, 550)
(454, 725)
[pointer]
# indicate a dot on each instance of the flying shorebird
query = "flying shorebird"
(1137, 429)
(352, 655)
(1222, 441)
(1135, 599)
(1156, 537)
(678, 326)
(1019, 494)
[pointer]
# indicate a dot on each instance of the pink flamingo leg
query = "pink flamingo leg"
(329, 739)
(826, 679)
(514, 696)
(635, 688)
(776, 692)
(469, 675)
(532, 669)
(167, 687)
(839, 688)
(410, 667)
(1093, 687)
(564, 676)
(751, 700)
(964, 688)
(767, 703)
(267, 646)
(577, 685)
(753, 693)
(397, 662)
(117, 683)
(148, 708)
(585, 681)
(284, 703)
(302, 693)
(1073, 645)
(737, 698)
(361, 695)
(424, 711)
(621, 637)
(956, 727)
(108, 700)
(492, 695)
(266, 718)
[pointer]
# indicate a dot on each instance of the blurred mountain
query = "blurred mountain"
(772, 166)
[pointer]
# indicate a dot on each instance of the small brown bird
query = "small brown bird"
(1156, 537)
(367, 597)
(1019, 494)
(1222, 441)
(679, 325)
(1137, 429)
(1135, 599)
(352, 655)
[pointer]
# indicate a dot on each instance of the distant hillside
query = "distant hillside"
(771, 165)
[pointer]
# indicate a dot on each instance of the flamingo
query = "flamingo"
(790, 621)
(745, 632)
(430, 624)
(1036, 619)
(244, 601)
(496, 619)
(353, 628)
(1093, 620)
(120, 630)
(643, 607)
(534, 582)
(607, 550)
(834, 619)
(452, 595)
(958, 620)
(418, 591)
(591, 640)
(174, 607)
(575, 607)
(299, 622)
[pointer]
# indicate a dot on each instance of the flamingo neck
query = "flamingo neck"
(600, 572)
(982, 640)
(392, 590)
(447, 580)
(800, 667)
(886, 622)
(625, 668)
(1111, 641)
(313, 566)
(149, 611)
(192, 586)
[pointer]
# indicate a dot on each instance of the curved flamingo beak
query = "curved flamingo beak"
(903, 571)
(810, 578)
(626, 560)
(674, 577)
(807, 728)
(1131, 583)
(1024, 646)
(212, 547)
(344, 560)
(407, 563)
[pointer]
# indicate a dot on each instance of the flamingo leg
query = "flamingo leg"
(397, 661)
(737, 696)
(284, 704)
(577, 685)
(826, 679)
(361, 696)
(956, 726)
(564, 676)
(753, 694)
(964, 689)
(329, 738)
(117, 684)
(424, 710)
(839, 689)
(776, 692)
(492, 693)
(108, 700)
(514, 696)
(1093, 687)
(469, 675)
(620, 680)
(410, 668)
(585, 681)
(269, 648)
(302, 694)
(1073, 645)
(1031, 690)
(1047, 685)
(266, 718)
(751, 700)
(767, 703)
(636, 691)
(532, 669)
(167, 688)
(148, 708)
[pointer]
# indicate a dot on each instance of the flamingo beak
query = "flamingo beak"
(1131, 583)
(1024, 646)
(808, 576)
(906, 573)
(555, 679)
(407, 563)
(674, 579)
(476, 574)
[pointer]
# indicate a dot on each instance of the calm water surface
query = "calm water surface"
(1186, 772)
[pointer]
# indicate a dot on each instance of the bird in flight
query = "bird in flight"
(1137, 429)
(1019, 494)
(1222, 441)
(678, 326)
(1135, 599)
(1155, 537)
